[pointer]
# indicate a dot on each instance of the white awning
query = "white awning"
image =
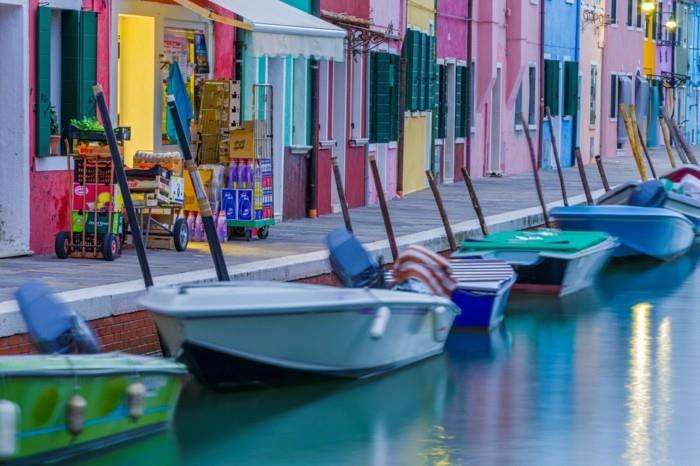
(279, 30)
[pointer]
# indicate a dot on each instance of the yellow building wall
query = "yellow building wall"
(415, 160)
(421, 13)
(136, 96)
(649, 59)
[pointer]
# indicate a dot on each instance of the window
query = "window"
(300, 136)
(356, 107)
(471, 97)
(421, 75)
(461, 104)
(532, 93)
(384, 97)
(571, 87)
(659, 21)
(630, 13)
(613, 96)
(593, 103)
(519, 107)
(639, 14)
(68, 37)
(613, 11)
(551, 86)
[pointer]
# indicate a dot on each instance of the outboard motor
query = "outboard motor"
(649, 194)
(53, 325)
(351, 262)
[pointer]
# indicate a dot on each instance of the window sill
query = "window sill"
(532, 127)
(518, 127)
(460, 140)
(328, 143)
(359, 142)
(52, 163)
(393, 144)
(66, 4)
(300, 150)
(439, 142)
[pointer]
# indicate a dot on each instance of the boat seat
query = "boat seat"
(351, 262)
(52, 324)
(649, 194)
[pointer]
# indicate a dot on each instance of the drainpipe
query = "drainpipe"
(311, 194)
(470, 101)
(541, 115)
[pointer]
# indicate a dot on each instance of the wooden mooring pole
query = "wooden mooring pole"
(640, 139)
(582, 174)
(535, 172)
(555, 150)
(674, 137)
(632, 138)
(341, 193)
(684, 145)
(601, 170)
(667, 141)
(385, 210)
(475, 201)
(441, 209)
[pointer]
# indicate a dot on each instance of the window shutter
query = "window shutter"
(380, 97)
(613, 96)
(412, 48)
(420, 59)
(432, 87)
(442, 102)
(394, 64)
(373, 117)
(78, 64)
(551, 83)
(459, 101)
(43, 81)
(571, 85)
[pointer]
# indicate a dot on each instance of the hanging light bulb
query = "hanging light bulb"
(671, 24)
(648, 6)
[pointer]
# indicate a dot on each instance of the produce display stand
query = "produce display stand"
(250, 209)
(96, 229)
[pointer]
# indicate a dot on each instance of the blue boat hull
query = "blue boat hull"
(481, 309)
(649, 231)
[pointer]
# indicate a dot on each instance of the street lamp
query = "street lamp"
(671, 24)
(648, 6)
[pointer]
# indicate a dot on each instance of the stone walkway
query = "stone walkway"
(412, 214)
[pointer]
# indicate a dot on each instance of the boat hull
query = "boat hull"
(481, 309)
(42, 395)
(649, 231)
(277, 346)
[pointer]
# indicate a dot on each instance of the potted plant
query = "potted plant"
(55, 138)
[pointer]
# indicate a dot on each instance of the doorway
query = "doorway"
(14, 128)
(448, 154)
(135, 78)
(495, 146)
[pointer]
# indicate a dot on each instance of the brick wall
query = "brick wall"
(132, 333)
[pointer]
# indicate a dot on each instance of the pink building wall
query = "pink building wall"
(623, 54)
(452, 29)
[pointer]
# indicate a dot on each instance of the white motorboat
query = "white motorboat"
(270, 333)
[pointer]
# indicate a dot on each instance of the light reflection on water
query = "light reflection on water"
(585, 380)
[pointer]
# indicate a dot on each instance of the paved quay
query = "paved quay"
(295, 249)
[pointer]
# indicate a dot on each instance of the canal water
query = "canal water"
(610, 375)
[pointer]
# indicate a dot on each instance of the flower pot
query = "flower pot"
(54, 142)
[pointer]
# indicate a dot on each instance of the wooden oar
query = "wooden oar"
(341, 193)
(640, 140)
(441, 209)
(555, 150)
(632, 138)
(217, 254)
(475, 201)
(385, 210)
(667, 141)
(118, 166)
(535, 172)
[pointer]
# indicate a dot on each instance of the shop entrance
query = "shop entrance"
(14, 158)
(136, 75)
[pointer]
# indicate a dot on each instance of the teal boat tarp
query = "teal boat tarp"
(538, 240)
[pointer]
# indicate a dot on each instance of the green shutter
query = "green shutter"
(420, 57)
(380, 97)
(551, 86)
(78, 64)
(432, 75)
(411, 48)
(442, 102)
(459, 105)
(571, 88)
(43, 81)
(394, 64)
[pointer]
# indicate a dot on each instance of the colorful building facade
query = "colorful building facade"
(590, 71)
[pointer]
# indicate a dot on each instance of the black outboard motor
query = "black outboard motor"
(53, 325)
(351, 262)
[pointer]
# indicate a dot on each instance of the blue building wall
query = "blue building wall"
(562, 35)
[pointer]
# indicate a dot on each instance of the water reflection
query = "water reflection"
(664, 401)
(313, 424)
(158, 449)
(639, 388)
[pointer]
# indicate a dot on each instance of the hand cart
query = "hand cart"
(249, 206)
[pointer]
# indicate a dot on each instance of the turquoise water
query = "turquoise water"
(591, 379)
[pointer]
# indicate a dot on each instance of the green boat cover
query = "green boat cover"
(98, 364)
(538, 240)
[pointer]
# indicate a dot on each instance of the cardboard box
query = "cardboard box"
(190, 198)
(86, 222)
(242, 142)
(98, 197)
(177, 189)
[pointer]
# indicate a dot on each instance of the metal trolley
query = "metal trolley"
(250, 209)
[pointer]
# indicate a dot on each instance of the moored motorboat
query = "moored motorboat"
(685, 205)
(655, 232)
(59, 405)
(545, 260)
(270, 333)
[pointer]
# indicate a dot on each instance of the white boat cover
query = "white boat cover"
(280, 30)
